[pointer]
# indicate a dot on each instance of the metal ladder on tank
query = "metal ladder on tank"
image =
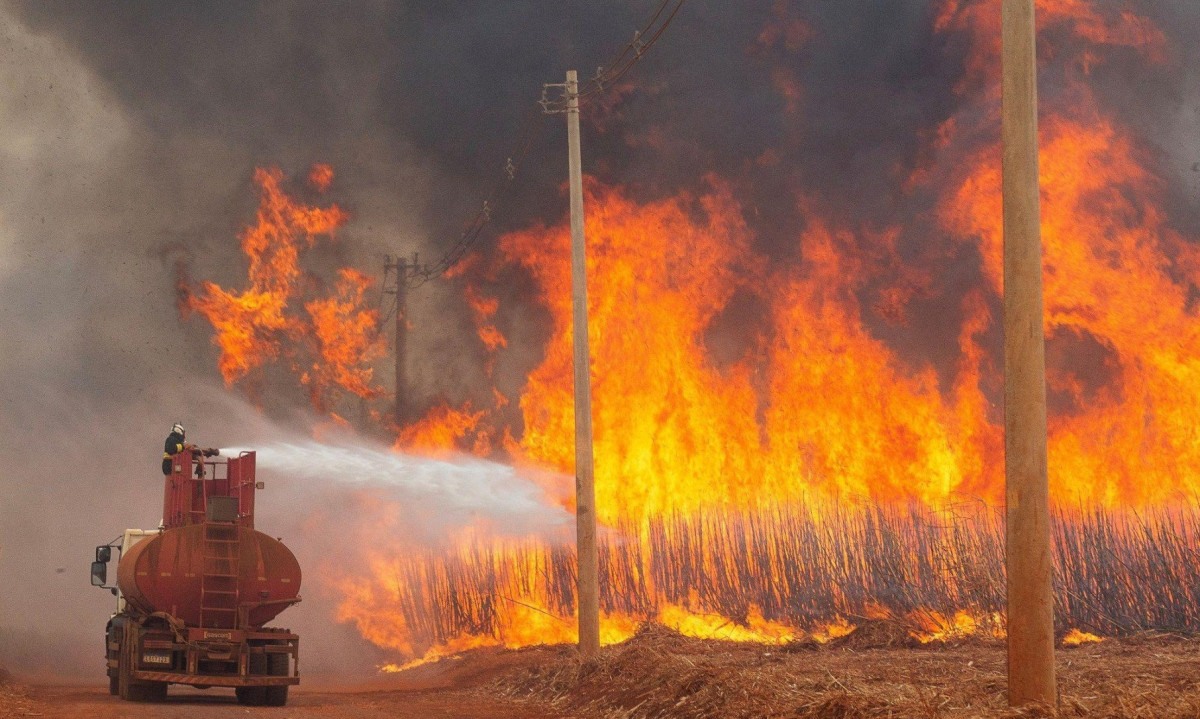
(219, 586)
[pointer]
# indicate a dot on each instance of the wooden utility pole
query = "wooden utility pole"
(588, 590)
(1028, 558)
(401, 267)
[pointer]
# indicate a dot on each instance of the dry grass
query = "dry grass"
(1117, 572)
(661, 674)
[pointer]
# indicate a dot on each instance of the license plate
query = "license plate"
(156, 658)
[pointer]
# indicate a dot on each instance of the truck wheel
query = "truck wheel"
(113, 636)
(123, 669)
(251, 696)
(146, 692)
(277, 696)
(277, 666)
(152, 692)
(130, 689)
(254, 696)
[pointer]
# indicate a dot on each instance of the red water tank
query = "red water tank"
(211, 575)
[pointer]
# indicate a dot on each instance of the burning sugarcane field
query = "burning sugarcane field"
(641, 359)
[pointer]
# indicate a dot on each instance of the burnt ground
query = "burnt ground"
(661, 674)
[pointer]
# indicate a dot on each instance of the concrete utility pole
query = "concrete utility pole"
(1028, 558)
(588, 589)
(401, 267)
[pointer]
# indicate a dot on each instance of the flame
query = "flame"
(346, 340)
(335, 336)
(1079, 20)
(443, 428)
(813, 422)
(673, 431)
(483, 309)
(538, 626)
(942, 628)
(836, 629)
(320, 176)
(715, 626)
(1075, 638)
(1119, 433)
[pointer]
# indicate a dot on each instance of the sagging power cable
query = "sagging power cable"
(606, 77)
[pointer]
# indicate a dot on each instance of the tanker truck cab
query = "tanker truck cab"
(194, 597)
(104, 556)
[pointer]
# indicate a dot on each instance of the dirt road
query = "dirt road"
(875, 673)
(451, 689)
(94, 702)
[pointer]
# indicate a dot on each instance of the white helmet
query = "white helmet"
(178, 428)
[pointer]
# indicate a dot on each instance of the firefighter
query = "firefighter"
(173, 446)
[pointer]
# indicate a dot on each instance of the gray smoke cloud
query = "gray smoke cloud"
(130, 132)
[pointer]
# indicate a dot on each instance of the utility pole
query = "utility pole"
(402, 268)
(1028, 559)
(587, 589)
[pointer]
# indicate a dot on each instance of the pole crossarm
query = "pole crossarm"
(558, 105)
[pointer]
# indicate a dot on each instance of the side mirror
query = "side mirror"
(99, 574)
(103, 553)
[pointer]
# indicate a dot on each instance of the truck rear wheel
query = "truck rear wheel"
(150, 692)
(129, 688)
(277, 666)
(251, 696)
(254, 696)
(124, 681)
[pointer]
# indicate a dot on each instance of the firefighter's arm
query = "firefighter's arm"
(198, 451)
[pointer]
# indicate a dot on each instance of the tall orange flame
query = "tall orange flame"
(332, 341)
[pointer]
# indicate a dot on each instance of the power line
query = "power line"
(631, 54)
(606, 76)
(531, 128)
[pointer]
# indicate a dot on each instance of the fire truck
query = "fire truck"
(195, 595)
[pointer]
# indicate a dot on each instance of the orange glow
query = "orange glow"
(346, 339)
(943, 628)
(1075, 638)
(441, 430)
(331, 343)
(1117, 292)
(672, 430)
(483, 309)
(836, 629)
(1082, 20)
(320, 177)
